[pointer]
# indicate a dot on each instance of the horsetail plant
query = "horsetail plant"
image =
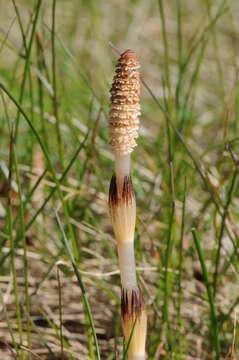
(123, 129)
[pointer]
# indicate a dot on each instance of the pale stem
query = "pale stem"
(127, 264)
(122, 168)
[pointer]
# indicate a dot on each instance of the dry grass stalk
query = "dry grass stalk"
(124, 124)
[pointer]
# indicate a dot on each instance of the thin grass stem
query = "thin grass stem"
(211, 300)
(54, 84)
(27, 60)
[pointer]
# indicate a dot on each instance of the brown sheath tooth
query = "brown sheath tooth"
(128, 190)
(127, 195)
(131, 303)
(122, 208)
(113, 193)
(124, 303)
(134, 321)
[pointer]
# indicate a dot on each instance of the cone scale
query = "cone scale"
(123, 131)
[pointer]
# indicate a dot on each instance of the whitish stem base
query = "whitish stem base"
(127, 264)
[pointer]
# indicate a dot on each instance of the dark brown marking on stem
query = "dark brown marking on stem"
(127, 194)
(131, 303)
(113, 193)
(128, 190)
(124, 302)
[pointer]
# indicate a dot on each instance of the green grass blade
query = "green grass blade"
(211, 301)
